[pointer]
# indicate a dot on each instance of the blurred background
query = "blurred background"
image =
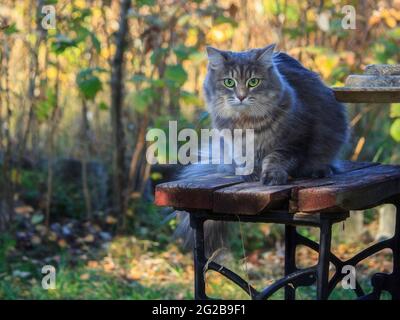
(77, 96)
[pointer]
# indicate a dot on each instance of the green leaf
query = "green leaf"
(139, 78)
(103, 106)
(95, 41)
(62, 43)
(182, 52)
(141, 3)
(143, 99)
(37, 218)
(176, 75)
(11, 29)
(158, 83)
(395, 110)
(395, 130)
(223, 19)
(45, 107)
(189, 98)
(81, 33)
(157, 55)
(89, 84)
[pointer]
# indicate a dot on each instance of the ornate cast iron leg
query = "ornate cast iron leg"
(323, 260)
(199, 258)
(290, 259)
(396, 256)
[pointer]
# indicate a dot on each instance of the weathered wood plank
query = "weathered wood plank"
(372, 95)
(230, 195)
(350, 191)
(250, 198)
(253, 198)
(192, 193)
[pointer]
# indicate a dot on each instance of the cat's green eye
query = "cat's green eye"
(229, 83)
(253, 82)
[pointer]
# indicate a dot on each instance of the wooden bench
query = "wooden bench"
(310, 202)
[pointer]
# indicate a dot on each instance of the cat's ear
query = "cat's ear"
(264, 55)
(216, 57)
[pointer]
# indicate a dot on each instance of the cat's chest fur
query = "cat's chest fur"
(265, 135)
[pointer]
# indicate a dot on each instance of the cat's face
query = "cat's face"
(241, 83)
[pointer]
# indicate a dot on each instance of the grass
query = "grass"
(132, 274)
(127, 267)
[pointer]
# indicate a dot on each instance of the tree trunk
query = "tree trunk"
(84, 160)
(33, 73)
(50, 148)
(118, 139)
(387, 221)
(354, 227)
(6, 182)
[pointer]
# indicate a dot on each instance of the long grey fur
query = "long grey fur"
(299, 126)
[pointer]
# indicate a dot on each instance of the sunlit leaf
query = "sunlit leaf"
(395, 130)
(395, 110)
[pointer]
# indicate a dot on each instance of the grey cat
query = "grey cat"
(298, 124)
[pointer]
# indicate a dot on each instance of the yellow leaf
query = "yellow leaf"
(84, 276)
(390, 22)
(62, 243)
(89, 238)
(191, 38)
(220, 33)
(373, 20)
(111, 220)
(93, 264)
(52, 236)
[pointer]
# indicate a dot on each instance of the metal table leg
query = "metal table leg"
(199, 258)
(290, 259)
(323, 260)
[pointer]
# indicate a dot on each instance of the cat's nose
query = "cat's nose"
(241, 97)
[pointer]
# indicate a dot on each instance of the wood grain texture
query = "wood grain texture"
(359, 185)
(354, 190)
(192, 194)
(367, 95)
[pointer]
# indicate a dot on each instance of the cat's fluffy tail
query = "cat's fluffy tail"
(215, 232)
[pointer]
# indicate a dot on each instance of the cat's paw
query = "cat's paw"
(322, 172)
(274, 177)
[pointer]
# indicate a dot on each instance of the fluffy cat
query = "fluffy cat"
(299, 126)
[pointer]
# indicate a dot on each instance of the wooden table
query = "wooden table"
(311, 202)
